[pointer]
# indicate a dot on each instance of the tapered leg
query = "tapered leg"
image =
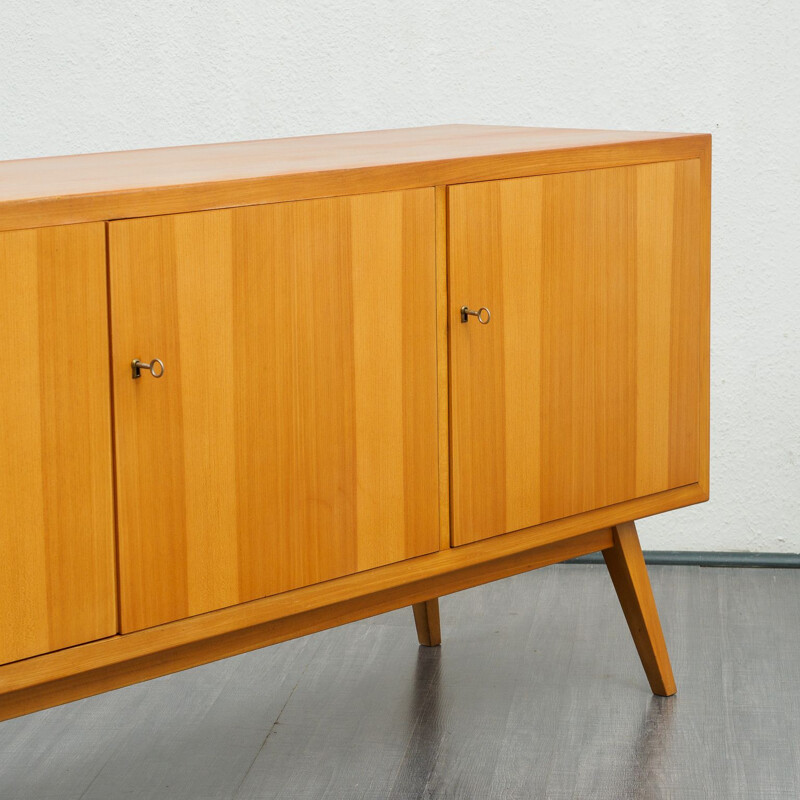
(626, 565)
(426, 618)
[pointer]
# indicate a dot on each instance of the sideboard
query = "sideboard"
(251, 391)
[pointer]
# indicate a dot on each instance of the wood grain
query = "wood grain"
(99, 186)
(704, 301)
(443, 366)
(626, 566)
(57, 531)
(583, 390)
(291, 471)
(427, 622)
(95, 667)
(81, 672)
(293, 438)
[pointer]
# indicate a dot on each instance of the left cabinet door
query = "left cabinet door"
(292, 437)
(57, 584)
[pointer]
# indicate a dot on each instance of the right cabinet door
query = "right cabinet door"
(583, 390)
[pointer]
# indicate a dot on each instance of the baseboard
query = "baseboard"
(703, 558)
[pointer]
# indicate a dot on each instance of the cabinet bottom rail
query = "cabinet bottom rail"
(89, 669)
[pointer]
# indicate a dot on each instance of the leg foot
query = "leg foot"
(626, 566)
(426, 618)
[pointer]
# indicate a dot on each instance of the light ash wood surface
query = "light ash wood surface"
(536, 691)
(205, 306)
(57, 584)
(293, 437)
(81, 188)
(442, 367)
(584, 388)
(628, 572)
(427, 623)
(76, 672)
(120, 660)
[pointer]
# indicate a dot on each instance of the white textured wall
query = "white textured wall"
(87, 76)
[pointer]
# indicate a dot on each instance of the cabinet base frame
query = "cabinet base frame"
(89, 669)
(625, 562)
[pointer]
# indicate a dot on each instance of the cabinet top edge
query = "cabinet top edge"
(95, 186)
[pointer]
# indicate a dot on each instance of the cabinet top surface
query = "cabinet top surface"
(38, 191)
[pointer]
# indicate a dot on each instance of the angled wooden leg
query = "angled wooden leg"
(626, 565)
(426, 618)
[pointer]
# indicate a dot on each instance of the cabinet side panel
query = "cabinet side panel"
(57, 585)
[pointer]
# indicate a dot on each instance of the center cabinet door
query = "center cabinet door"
(292, 438)
(583, 389)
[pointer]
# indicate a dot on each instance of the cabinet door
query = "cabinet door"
(57, 526)
(583, 389)
(292, 438)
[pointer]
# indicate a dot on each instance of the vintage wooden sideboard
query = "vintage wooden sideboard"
(255, 390)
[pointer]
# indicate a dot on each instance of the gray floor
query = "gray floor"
(536, 692)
